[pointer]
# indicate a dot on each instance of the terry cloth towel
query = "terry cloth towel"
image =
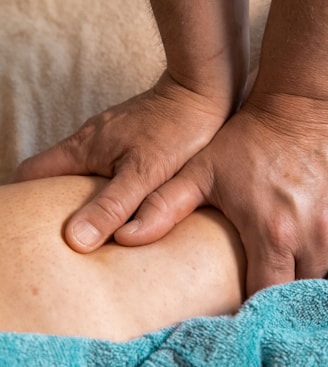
(281, 326)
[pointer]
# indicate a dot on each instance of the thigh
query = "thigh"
(116, 292)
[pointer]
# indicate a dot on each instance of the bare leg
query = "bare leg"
(116, 292)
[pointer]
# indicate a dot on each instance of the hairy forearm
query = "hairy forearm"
(294, 53)
(206, 44)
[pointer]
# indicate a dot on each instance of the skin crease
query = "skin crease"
(266, 169)
(116, 292)
(144, 141)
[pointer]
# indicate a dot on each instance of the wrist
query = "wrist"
(220, 82)
(294, 117)
(206, 45)
(306, 80)
(189, 93)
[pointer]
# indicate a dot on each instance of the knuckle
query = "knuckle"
(151, 168)
(112, 209)
(76, 140)
(275, 246)
(282, 239)
(103, 118)
(134, 161)
(75, 147)
(280, 262)
(157, 201)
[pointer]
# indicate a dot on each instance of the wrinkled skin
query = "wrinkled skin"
(140, 144)
(267, 170)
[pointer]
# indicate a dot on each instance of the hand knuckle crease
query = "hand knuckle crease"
(157, 201)
(113, 209)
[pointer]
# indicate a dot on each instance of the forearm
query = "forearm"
(206, 44)
(294, 57)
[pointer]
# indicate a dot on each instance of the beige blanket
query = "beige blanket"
(63, 61)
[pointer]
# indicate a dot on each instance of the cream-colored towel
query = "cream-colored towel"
(63, 61)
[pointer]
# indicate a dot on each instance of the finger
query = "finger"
(91, 226)
(161, 210)
(268, 267)
(67, 157)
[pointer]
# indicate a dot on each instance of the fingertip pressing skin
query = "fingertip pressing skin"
(82, 236)
(95, 223)
(136, 232)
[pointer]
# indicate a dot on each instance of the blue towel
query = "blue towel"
(281, 326)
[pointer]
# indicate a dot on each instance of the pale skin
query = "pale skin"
(266, 169)
(116, 292)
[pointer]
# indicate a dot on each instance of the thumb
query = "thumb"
(67, 157)
(91, 226)
(161, 210)
(267, 266)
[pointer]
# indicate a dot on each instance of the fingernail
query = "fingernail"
(86, 234)
(132, 226)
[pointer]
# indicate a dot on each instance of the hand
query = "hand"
(140, 144)
(267, 170)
